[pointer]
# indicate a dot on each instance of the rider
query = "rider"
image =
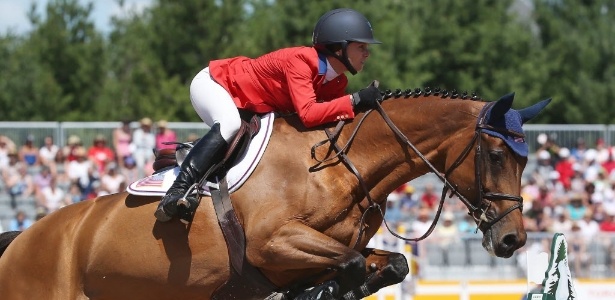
(309, 81)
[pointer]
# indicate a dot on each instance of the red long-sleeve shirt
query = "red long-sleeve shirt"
(286, 81)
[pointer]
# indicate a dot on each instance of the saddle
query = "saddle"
(169, 158)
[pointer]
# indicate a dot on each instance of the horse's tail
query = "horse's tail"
(6, 238)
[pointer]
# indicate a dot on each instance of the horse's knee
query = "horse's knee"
(352, 270)
(396, 270)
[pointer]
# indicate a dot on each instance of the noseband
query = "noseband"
(478, 212)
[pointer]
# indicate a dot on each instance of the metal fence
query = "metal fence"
(87, 131)
(563, 135)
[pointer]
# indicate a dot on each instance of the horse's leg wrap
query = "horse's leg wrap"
(359, 293)
(393, 272)
(326, 291)
(206, 152)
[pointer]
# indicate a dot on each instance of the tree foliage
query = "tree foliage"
(66, 69)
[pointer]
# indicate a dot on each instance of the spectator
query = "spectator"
(28, 153)
(422, 223)
(608, 225)
(548, 144)
(544, 167)
(17, 180)
(555, 187)
(429, 197)
(6, 146)
(578, 151)
(74, 194)
(561, 224)
(48, 154)
(100, 153)
(609, 164)
(575, 208)
(52, 198)
(144, 143)
(20, 222)
(591, 165)
(130, 171)
(545, 199)
(409, 203)
(419, 227)
(122, 137)
(165, 135)
(68, 151)
(446, 234)
(589, 228)
(565, 168)
(82, 172)
(112, 180)
(536, 217)
(577, 184)
(42, 179)
(466, 225)
(530, 192)
(393, 213)
(602, 151)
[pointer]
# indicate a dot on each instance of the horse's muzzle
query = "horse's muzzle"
(506, 245)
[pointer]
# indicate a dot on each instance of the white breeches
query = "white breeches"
(214, 104)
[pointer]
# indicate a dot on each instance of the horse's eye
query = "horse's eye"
(496, 157)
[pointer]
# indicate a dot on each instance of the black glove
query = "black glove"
(366, 98)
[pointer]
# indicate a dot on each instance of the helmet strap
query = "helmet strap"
(343, 58)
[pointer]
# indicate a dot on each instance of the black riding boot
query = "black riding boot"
(208, 151)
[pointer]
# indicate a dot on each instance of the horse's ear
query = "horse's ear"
(529, 113)
(501, 107)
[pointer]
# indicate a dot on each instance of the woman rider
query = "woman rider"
(309, 81)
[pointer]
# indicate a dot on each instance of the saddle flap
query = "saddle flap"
(240, 143)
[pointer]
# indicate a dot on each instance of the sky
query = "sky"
(13, 13)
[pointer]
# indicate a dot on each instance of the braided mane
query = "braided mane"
(428, 92)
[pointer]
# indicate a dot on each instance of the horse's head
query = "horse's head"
(476, 148)
(499, 152)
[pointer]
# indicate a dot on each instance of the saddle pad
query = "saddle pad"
(158, 184)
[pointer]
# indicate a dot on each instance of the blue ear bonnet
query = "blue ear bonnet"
(502, 116)
(512, 121)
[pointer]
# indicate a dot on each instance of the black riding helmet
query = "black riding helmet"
(342, 26)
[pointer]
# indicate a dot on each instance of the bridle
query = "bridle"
(478, 212)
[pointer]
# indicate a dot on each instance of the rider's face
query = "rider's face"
(357, 54)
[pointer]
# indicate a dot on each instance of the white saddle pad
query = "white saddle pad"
(158, 184)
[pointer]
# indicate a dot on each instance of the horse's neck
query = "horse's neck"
(434, 126)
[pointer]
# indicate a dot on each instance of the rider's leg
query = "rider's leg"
(216, 108)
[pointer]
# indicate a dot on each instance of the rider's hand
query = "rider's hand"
(366, 98)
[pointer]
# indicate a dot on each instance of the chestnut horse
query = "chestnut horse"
(305, 222)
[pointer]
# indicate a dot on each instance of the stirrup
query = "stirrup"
(186, 208)
(186, 205)
(183, 200)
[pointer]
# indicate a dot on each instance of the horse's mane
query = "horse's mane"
(427, 91)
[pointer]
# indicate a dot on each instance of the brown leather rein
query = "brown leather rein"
(485, 198)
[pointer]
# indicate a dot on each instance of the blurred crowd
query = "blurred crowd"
(50, 176)
(567, 190)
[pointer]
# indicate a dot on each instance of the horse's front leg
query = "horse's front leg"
(383, 269)
(298, 249)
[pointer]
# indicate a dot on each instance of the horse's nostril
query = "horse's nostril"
(510, 241)
(508, 245)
